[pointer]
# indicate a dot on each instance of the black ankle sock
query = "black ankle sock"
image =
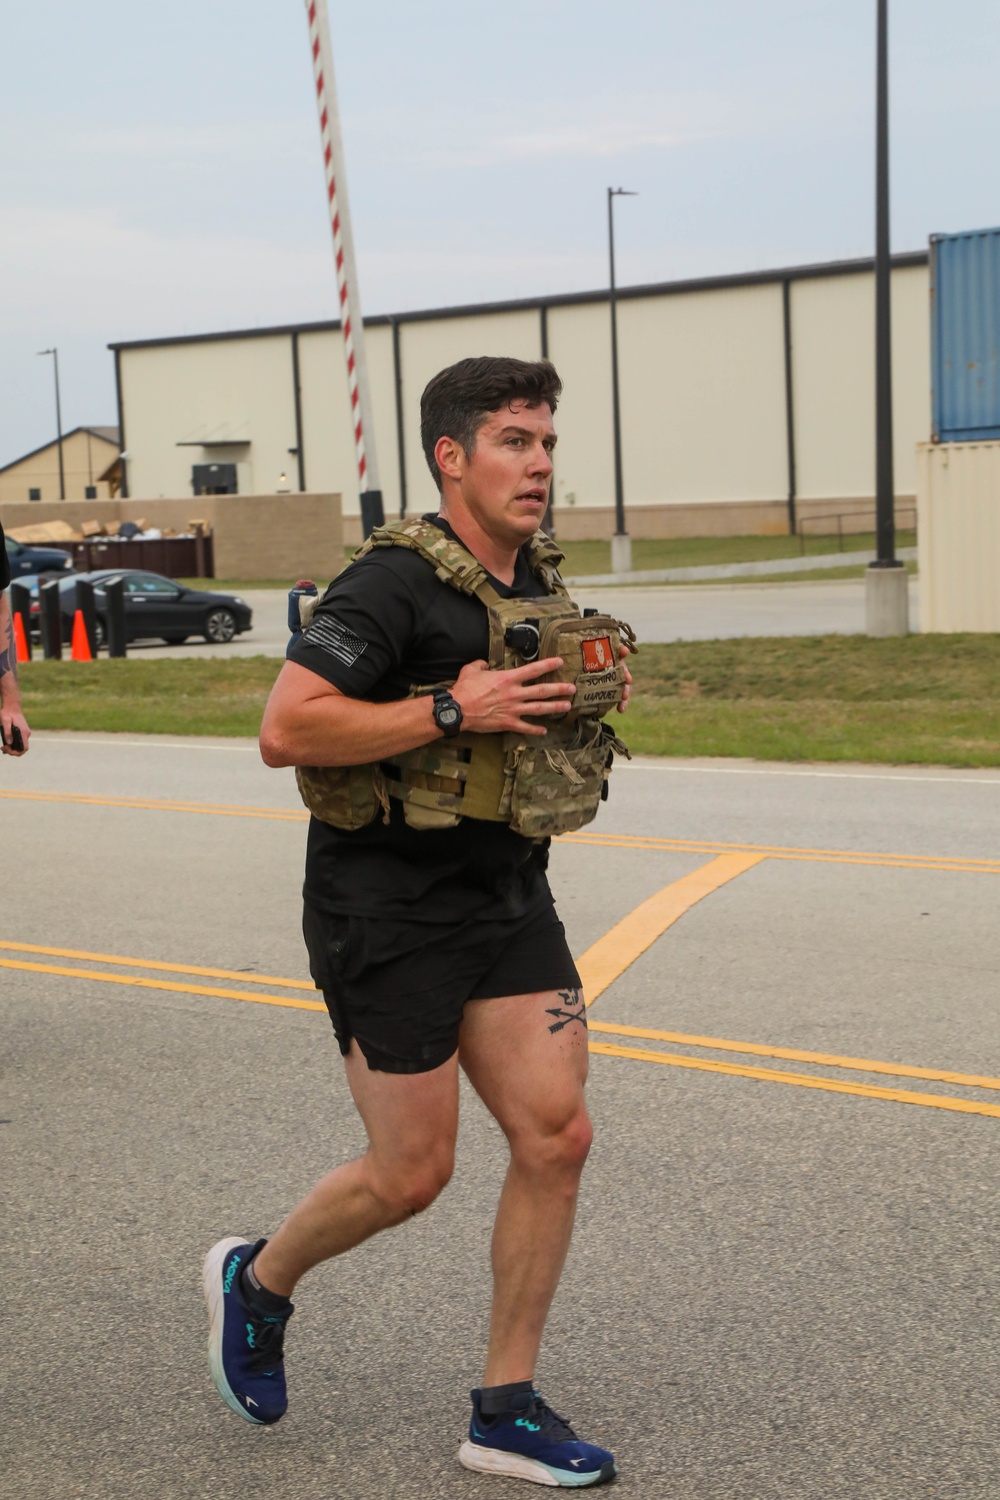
(257, 1294)
(494, 1400)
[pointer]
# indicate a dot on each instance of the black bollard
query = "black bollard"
(20, 604)
(372, 511)
(85, 604)
(114, 593)
(50, 620)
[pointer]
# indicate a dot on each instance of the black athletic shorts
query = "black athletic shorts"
(399, 988)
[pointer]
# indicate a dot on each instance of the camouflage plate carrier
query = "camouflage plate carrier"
(539, 786)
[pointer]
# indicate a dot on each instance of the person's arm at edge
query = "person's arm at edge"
(309, 722)
(10, 690)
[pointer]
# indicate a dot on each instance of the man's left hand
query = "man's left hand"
(9, 720)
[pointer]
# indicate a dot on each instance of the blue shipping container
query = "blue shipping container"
(965, 335)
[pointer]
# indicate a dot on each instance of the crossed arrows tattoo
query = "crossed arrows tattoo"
(573, 1009)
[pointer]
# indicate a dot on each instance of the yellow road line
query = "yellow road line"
(612, 954)
(614, 841)
(136, 982)
(717, 1044)
(149, 804)
(767, 1075)
(822, 1059)
(149, 963)
(767, 851)
(800, 1080)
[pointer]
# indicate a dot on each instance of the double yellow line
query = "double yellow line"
(612, 841)
(613, 953)
(600, 966)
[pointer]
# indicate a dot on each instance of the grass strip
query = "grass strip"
(699, 551)
(145, 697)
(922, 699)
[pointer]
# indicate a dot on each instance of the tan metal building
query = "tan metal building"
(89, 460)
(747, 401)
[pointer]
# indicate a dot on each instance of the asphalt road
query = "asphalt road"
(777, 1290)
(687, 612)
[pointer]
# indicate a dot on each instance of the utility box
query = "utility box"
(965, 336)
(958, 506)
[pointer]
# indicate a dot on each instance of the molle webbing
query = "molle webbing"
(464, 776)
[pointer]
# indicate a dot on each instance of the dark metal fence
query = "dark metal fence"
(173, 556)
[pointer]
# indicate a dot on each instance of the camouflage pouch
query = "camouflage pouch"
(556, 784)
(346, 797)
(591, 651)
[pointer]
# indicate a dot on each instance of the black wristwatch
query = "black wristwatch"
(447, 713)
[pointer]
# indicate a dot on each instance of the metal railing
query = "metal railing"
(838, 530)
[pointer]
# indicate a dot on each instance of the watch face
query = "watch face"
(448, 713)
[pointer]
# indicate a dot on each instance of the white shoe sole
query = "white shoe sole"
(211, 1280)
(515, 1466)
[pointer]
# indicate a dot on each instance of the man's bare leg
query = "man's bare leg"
(411, 1120)
(526, 1057)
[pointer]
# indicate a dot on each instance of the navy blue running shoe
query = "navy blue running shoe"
(531, 1442)
(244, 1345)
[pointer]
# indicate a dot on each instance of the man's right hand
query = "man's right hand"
(496, 702)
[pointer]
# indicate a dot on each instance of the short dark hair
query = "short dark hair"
(458, 400)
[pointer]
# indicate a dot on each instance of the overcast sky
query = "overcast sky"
(161, 174)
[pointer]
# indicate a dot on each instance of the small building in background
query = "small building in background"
(91, 468)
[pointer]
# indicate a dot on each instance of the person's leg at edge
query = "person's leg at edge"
(411, 1120)
(526, 1057)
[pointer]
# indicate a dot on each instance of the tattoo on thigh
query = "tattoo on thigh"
(572, 1009)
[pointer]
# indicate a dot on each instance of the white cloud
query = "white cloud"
(185, 144)
(589, 128)
(86, 271)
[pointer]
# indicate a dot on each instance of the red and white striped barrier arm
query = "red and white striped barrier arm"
(343, 248)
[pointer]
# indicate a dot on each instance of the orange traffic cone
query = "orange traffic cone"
(80, 649)
(20, 640)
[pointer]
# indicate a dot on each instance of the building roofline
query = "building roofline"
(559, 299)
(54, 443)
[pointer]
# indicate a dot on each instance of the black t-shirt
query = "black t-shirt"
(4, 564)
(385, 624)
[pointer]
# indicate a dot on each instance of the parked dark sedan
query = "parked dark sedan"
(156, 607)
(24, 559)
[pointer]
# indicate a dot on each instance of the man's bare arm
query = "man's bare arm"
(309, 722)
(11, 716)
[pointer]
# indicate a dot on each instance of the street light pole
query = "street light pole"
(621, 542)
(886, 598)
(62, 472)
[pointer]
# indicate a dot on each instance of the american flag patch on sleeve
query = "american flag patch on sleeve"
(326, 632)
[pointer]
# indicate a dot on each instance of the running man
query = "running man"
(433, 933)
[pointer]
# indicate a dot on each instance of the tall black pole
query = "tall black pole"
(615, 405)
(885, 524)
(62, 471)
